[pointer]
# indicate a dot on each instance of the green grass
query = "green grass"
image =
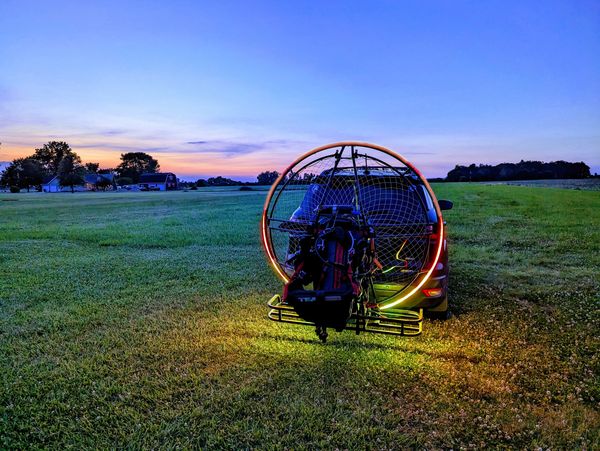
(138, 320)
(578, 184)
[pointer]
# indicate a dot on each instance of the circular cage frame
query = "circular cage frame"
(395, 301)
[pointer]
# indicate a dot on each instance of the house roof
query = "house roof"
(159, 177)
(110, 176)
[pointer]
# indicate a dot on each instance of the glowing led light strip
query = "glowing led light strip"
(400, 250)
(267, 244)
(415, 289)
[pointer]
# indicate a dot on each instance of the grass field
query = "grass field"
(138, 320)
(592, 184)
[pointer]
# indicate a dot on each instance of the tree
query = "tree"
(10, 176)
(201, 183)
(134, 164)
(267, 177)
(70, 172)
(124, 181)
(24, 173)
(222, 181)
(523, 170)
(52, 154)
(92, 167)
(308, 177)
(32, 173)
(103, 183)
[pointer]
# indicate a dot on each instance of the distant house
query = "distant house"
(94, 182)
(160, 181)
(52, 185)
(91, 182)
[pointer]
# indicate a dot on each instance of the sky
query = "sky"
(233, 88)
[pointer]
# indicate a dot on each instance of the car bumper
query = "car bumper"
(418, 299)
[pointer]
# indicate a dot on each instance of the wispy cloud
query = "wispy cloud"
(229, 148)
(112, 147)
(226, 147)
(113, 132)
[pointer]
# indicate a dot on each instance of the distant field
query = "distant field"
(138, 320)
(579, 184)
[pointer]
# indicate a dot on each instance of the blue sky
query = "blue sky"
(234, 87)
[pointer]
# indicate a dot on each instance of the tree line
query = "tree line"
(524, 170)
(264, 178)
(57, 159)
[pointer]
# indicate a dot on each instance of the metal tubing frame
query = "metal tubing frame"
(408, 323)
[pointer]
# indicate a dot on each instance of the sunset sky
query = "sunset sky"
(236, 87)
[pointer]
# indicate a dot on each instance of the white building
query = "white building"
(91, 182)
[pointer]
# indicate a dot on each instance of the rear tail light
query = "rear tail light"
(432, 292)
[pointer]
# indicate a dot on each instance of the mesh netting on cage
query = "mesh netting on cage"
(388, 195)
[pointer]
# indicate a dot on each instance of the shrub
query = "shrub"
(245, 188)
(15, 189)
